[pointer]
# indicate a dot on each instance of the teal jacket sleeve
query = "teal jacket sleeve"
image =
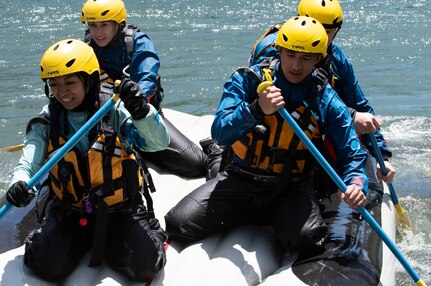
(34, 153)
(148, 133)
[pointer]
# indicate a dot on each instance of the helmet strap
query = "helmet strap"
(47, 90)
(336, 32)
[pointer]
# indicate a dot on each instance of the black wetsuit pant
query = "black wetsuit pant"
(134, 243)
(182, 157)
(229, 200)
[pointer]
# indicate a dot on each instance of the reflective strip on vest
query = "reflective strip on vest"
(100, 147)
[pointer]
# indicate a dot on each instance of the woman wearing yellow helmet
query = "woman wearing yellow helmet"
(71, 60)
(339, 69)
(124, 50)
(270, 178)
(103, 10)
(104, 18)
(96, 204)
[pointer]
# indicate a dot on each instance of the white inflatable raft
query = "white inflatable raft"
(248, 255)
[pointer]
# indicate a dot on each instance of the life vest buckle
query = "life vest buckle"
(96, 192)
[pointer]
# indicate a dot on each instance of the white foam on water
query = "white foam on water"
(409, 138)
(406, 127)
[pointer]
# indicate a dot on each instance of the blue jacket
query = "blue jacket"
(346, 85)
(233, 119)
(144, 62)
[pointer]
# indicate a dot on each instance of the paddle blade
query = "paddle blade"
(402, 217)
(13, 148)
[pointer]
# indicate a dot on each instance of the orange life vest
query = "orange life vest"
(273, 146)
(107, 171)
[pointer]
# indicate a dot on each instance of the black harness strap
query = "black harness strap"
(250, 157)
(99, 242)
(129, 32)
(64, 169)
(107, 154)
(274, 152)
(147, 184)
(100, 231)
(304, 122)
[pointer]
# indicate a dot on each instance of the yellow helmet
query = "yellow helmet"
(103, 10)
(67, 57)
(303, 34)
(327, 12)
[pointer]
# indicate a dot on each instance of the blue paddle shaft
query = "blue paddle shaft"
(378, 154)
(371, 221)
(381, 162)
(71, 142)
(5, 208)
(67, 147)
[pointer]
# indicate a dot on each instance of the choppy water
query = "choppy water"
(201, 42)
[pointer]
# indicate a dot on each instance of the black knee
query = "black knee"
(182, 224)
(44, 261)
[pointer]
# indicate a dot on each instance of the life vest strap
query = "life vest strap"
(101, 191)
(101, 147)
(248, 175)
(99, 241)
(147, 184)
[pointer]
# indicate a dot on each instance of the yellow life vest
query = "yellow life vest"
(106, 172)
(270, 147)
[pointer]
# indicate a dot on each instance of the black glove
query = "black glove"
(19, 194)
(133, 99)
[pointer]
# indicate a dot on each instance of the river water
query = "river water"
(201, 42)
